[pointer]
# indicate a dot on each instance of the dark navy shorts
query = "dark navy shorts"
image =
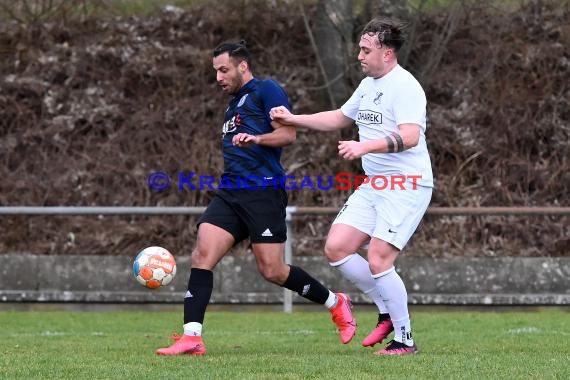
(255, 214)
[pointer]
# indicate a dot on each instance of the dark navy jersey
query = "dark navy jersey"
(248, 112)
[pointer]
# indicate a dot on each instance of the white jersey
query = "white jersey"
(378, 106)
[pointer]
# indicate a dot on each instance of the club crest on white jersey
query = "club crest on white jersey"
(378, 98)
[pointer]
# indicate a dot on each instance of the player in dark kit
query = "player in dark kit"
(249, 202)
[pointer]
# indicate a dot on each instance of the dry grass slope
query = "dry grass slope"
(91, 106)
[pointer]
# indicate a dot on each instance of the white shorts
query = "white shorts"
(389, 215)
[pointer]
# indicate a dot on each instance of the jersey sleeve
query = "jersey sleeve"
(273, 95)
(350, 108)
(410, 106)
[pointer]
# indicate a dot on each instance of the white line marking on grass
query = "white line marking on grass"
(264, 332)
(55, 333)
(535, 330)
(285, 332)
(524, 330)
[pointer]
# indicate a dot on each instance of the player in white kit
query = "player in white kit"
(389, 108)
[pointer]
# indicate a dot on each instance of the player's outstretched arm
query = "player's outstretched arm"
(282, 135)
(322, 121)
(407, 137)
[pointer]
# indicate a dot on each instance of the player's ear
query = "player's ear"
(242, 67)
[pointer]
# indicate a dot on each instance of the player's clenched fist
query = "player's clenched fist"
(281, 114)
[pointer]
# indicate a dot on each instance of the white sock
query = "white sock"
(393, 291)
(357, 270)
(331, 301)
(193, 328)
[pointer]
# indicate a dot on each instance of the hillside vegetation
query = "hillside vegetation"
(91, 106)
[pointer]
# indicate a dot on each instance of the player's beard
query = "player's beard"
(236, 84)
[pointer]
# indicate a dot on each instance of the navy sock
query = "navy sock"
(306, 286)
(197, 297)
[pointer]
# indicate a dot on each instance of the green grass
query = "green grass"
(274, 345)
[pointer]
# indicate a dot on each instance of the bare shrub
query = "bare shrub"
(91, 107)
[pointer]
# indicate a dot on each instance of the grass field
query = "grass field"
(261, 344)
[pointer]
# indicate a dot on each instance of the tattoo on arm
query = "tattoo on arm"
(390, 144)
(399, 141)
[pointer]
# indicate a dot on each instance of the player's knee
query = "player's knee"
(378, 266)
(334, 252)
(380, 261)
(272, 274)
(199, 258)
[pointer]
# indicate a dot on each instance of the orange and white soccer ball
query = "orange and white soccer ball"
(154, 267)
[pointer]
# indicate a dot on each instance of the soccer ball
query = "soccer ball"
(154, 267)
